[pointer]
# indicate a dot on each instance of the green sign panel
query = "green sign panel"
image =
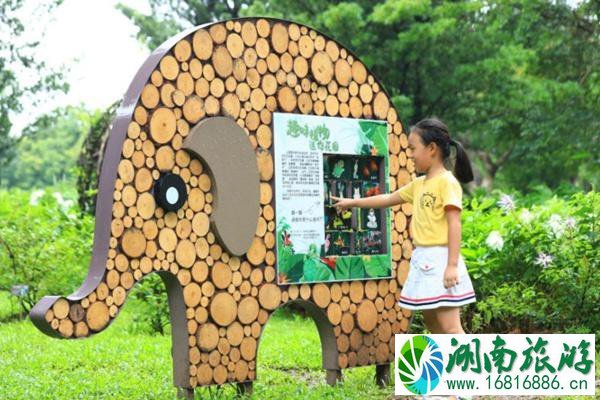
(317, 157)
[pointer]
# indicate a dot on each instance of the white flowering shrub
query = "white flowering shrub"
(534, 267)
(494, 241)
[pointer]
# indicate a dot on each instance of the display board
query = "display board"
(317, 157)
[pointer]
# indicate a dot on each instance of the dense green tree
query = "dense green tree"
(48, 149)
(516, 81)
(16, 55)
(169, 17)
(90, 159)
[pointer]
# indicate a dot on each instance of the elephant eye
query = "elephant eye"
(170, 192)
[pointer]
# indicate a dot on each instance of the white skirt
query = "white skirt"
(424, 286)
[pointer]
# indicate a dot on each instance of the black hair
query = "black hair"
(434, 130)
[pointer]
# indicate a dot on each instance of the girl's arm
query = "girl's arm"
(454, 235)
(378, 201)
(451, 277)
(452, 202)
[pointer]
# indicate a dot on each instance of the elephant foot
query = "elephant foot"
(244, 388)
(333, 376)
(382, 375)
(185, 393)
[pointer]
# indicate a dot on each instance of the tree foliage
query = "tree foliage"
(169, 17)
(15, 57)
(516, 81)
(47, 151)
(91, 156)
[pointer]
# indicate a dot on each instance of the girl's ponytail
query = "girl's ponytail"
(434, 130)
(462, 167)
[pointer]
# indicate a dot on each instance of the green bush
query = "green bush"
(153, 315)
(533, 268)
(44, 244)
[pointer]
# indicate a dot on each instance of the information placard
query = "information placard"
(317, 157)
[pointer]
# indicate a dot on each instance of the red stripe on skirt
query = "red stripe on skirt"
(438, 297)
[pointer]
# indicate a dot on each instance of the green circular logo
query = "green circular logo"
(420, 364)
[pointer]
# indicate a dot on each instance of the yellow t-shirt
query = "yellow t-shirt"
(429, 226)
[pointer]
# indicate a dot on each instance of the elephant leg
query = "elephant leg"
(382, 375)
(333, 376)
(244, 388)
(185, 393)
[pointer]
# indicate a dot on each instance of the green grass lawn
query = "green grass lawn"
(125, 363)
(121, 363)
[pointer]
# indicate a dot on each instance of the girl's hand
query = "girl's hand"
(341, 203)
(450, 276)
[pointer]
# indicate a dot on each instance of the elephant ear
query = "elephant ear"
(226, 150)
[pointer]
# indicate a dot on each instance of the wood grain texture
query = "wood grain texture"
(244, 70)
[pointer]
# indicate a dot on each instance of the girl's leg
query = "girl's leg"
(448, 319)
(431, 321)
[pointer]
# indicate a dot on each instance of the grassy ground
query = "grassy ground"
(121, 364)
(124, 363)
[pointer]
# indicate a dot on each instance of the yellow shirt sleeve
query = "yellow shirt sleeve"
(406, 192)
(451, 194)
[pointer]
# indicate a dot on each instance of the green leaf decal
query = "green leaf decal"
(349, 268)
(315, 270)
(377, 266)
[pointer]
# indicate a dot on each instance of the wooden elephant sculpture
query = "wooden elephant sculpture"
(186, 191)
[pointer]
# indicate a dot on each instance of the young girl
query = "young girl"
(437, 281)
